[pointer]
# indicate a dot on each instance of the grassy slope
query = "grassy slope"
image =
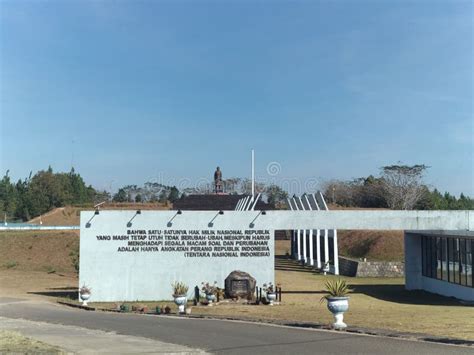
(70, 215)
(38, 250)
(373, 245)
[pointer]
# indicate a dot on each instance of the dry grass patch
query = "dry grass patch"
(47, 251)
(14, 342)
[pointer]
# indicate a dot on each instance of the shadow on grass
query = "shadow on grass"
(60, 292)
(284, 263)
(320, 292)
(398, 294)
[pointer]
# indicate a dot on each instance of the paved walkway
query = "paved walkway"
(80, 340)
(192, 335)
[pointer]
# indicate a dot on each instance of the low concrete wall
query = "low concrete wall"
(355, 268)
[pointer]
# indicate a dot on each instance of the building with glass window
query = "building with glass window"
(440, 262)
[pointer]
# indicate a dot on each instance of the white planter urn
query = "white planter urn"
(85, 297)
(271, 297)
(181, 301)
(337, 306)
(210, 298)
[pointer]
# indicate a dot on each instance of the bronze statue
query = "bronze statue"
(218, 181)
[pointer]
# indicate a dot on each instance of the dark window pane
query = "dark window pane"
(428, 256)
(434, 259)
(462, 261)
(422, 241)
(456, 261)
(470, 257)
(444, 253)
(439, 273)
(451, 255)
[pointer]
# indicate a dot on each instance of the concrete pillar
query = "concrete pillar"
(326, 246)
(318, 249)
(305, 250)
(298, 238)
(311, 253)
(413, 276)
(336, 253)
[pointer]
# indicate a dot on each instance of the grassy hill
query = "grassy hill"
(47, 251)
(373, 245)
(70, 215)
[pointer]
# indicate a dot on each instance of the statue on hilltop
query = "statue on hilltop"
(218, 186)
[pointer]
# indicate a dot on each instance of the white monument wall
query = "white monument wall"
(125, 256)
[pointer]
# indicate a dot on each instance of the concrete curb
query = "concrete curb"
(294, 324)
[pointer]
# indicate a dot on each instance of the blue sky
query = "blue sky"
(133, 91)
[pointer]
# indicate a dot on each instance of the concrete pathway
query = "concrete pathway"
(210, 335)
(80, 340)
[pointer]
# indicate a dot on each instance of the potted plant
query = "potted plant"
(180, 291)
(337, 301)
(210, 291)
(85, 294)
(270, 293)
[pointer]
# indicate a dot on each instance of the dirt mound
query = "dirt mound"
(46, 251)
(373, 245)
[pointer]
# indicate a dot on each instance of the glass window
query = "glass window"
(470, 252)
(462, 261)
(434, 258)
(439, 270)
(423, 255)
(456, 261)
(444, 258)
(452, 271)
(448, 259)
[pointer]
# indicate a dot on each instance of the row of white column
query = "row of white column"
(247, 203)
(299, 236)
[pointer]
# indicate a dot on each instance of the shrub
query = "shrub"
(11, 264)
(179, 289)
(336, 288)
(74, 254)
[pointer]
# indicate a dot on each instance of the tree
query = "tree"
(138, 198)
(276, 196)
(120, 196)
(174, 194)
(402, 185)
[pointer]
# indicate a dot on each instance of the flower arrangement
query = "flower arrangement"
(336, 288)
(268, 288)
(85, 290)
(179, 289)
(209, 289)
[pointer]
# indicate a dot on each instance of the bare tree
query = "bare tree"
(402, 185)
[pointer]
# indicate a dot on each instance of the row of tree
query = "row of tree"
(150, 192)
(398, 187)
(37, 194)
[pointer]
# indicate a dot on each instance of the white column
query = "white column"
(326, 246)
(311, 258)
(336, 254)
(318, 249)
(305, 253)
(299, 244)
